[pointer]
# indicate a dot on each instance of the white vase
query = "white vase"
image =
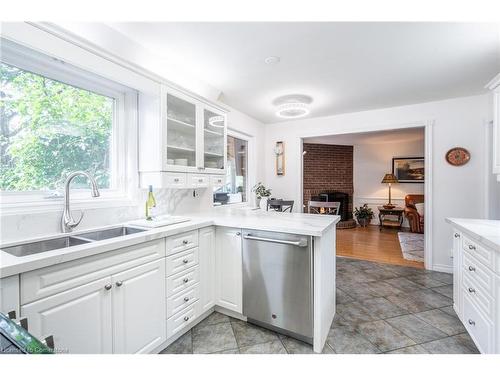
(263, 203)
(257, 202)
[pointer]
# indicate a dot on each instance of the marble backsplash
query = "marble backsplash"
(169, 201)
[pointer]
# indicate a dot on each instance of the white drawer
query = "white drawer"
(217, 181)
(182, 281)
(174, 180)
(181, 261)
(47, 281)
(198, 180)
(182, 319)
(479, 328)
(181, 242)
(478, 273)
(486, 256)
(181, 300)
(478, 296)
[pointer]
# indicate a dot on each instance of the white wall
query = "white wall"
(21, 225)
(457, 191)
(371, 161)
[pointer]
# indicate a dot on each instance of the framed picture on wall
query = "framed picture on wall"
(409, 170)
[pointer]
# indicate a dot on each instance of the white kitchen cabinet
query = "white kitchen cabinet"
(457, 263)
(494, 85)
(139, 308)
(9, 295)
(207, 268)
(80, 319)
(188, 137)
(228, 269)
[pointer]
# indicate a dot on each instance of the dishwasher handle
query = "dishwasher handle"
(300, 243)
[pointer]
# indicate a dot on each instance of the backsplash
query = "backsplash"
(169, 201)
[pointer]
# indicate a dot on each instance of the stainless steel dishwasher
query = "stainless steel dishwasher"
(278, 282)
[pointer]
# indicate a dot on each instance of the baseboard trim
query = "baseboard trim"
(442, 268)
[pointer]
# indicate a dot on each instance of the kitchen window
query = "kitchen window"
(236, 186)
(56, 119)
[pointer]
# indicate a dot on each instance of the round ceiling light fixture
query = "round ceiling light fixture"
(292, 106)
(272, 60)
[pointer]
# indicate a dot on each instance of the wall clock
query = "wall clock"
(458, 156)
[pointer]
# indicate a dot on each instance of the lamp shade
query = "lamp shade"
(389, 178)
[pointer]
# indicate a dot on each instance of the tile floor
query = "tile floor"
(381, 308)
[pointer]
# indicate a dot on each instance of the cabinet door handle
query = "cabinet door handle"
(471, 322)
(457, 235)
(185, 280)
(49, 341)
(119, 283)
(472, 290)
(185, 242)
(12, 314)
(185, 261)
(472, 269)
(472, 247)
(108, 286)
(186, 299)
(23, 322)
(176, 180)
(238, 233)
(200, 180)
(186, 318)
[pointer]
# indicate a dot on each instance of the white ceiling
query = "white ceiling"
(378, 137)
(345, 67)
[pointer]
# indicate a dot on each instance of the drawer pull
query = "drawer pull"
(119, 283)
(186, 318)
(472, 290)
(176, 180)
(185, 280)
(200, 180)
(472, 269)
(185, 261)
(12, 314)
(23, 322)
(472, 247)
(471, 322)
(185, 242)
(457, 235)
(186, 299)
(108, 286)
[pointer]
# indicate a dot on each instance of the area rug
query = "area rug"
(412, 245)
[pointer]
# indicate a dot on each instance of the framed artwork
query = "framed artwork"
(409, 170)
(279, 151)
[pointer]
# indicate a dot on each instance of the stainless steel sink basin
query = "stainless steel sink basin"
(106, 234)
(68, 241)
(43, 246)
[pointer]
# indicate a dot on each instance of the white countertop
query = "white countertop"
(485, 232)
(293, 223)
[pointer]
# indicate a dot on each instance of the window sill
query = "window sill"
(54, 205)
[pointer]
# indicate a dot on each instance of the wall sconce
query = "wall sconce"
(279, 151)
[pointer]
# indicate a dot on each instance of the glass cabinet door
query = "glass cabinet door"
(214, 126)
(181, 132)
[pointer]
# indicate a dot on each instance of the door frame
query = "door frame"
(428, 126)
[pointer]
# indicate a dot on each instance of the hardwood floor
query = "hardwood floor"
(371, 244)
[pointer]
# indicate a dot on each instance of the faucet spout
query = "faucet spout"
(68, 223)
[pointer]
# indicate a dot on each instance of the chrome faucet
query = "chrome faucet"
(67, 222)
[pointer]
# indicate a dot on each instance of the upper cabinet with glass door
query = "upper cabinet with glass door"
(181, 130)
(214, 141)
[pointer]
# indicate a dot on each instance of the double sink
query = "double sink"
(37, 247)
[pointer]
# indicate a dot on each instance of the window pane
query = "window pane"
(235, 189)
(49, 129)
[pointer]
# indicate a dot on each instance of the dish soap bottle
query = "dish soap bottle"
(150, 204)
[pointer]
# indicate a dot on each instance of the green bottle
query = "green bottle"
(150, 204)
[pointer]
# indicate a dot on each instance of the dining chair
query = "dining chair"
(280, 205)
(328, 208)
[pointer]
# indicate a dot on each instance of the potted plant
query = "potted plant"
(363, 214)
(260, 192)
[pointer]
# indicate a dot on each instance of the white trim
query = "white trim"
(428, 125)
(442, 268)
(493, 83)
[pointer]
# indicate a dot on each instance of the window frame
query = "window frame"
(250, 168)
(125, 102)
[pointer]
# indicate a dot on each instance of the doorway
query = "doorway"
(358, 165)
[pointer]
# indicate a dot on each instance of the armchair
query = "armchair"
(415, 220)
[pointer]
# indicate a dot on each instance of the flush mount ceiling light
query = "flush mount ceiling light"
(292, 106)
(216, 121)
(272, 60)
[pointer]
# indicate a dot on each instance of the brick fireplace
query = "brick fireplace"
(328, 169)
